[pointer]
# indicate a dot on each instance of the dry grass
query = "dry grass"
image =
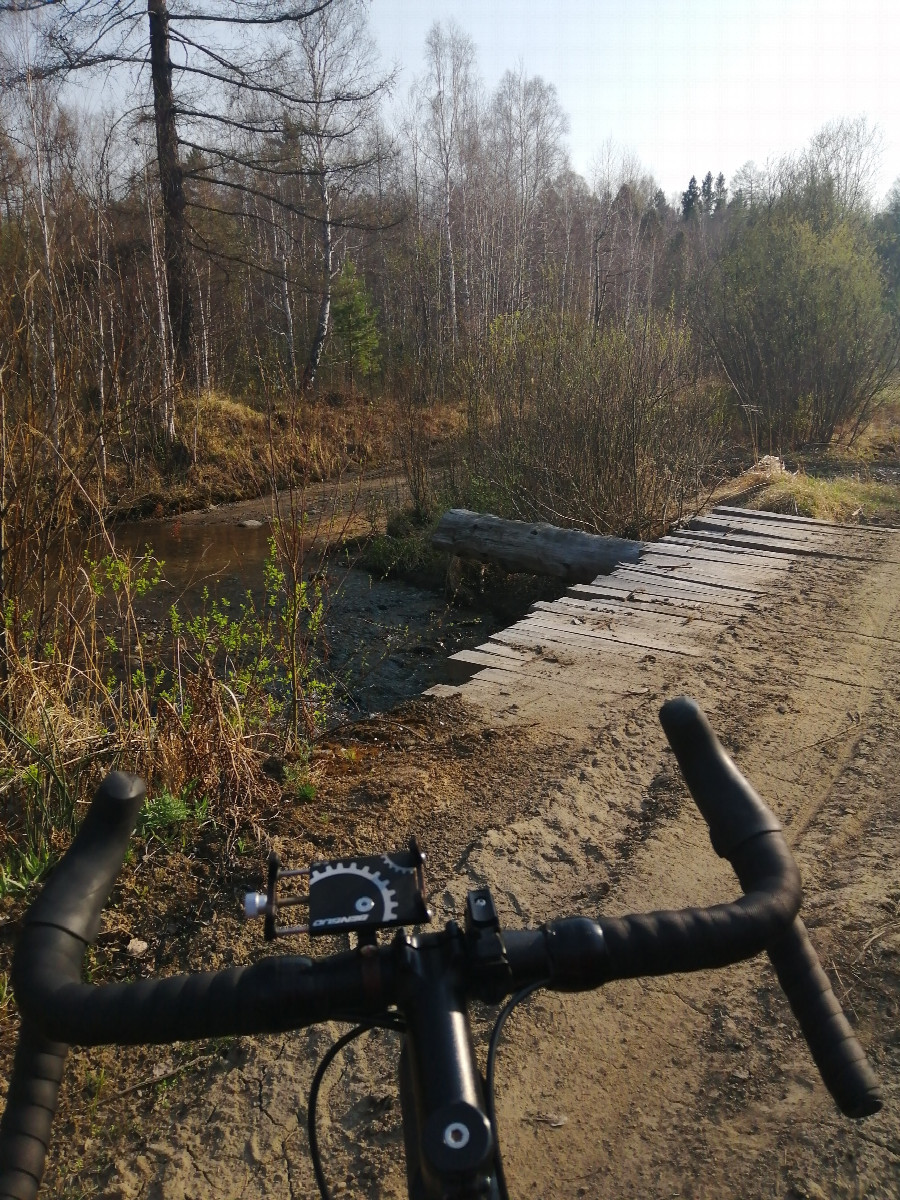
(854, 480)
(234, 449)
(841, 499)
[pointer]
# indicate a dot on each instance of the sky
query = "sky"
(688, 86)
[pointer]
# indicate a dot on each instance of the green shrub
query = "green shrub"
(795, 314)
(162, 815)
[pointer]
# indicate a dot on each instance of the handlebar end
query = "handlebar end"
(255, 904)
(733, 810)
(121, 791)
(78, 887)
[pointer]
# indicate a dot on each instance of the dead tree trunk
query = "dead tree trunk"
(569, 554)
(171, 182)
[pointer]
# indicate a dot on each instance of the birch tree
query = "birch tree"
(339, 146)
(529, 125)
(447, 92)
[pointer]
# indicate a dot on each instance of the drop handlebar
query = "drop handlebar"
(420, 977)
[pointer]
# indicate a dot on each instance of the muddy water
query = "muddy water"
(387, 640)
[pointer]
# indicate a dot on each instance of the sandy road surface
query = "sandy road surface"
(699, 1086)
(692, 1086)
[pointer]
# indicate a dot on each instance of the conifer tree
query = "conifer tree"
(690, 199)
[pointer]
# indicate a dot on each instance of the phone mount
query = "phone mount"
(347, 895)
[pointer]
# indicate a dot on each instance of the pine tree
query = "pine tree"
(690, 199)
(354, 323)
(720, 196)
(706, 195)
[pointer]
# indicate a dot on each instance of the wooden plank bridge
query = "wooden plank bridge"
(676, 603)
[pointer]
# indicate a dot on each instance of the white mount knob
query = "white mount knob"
(255, 904)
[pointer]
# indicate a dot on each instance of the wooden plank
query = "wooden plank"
(856, 537)
(495, 677)
(592, 654)
(628, 616)
(653, 575)
(465, 663)
(746, 574)
(794, 519)
(663, 584)
(740, 574)
(696, 550)
(624, 593)
(774, 535)
(663, 594)
(734, 550)
(665, 566)
(622, 600)
(460, 667)
(768, 545)
(811, 533)
(684, 539)
(491, 647)
(615, 636)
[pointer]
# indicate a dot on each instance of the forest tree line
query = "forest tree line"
(223, 221)
(261, 214)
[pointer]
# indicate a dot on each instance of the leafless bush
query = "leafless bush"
(413, 445)
(612, 431)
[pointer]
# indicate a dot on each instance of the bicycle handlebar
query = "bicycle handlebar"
(289, 992)
(735, 815)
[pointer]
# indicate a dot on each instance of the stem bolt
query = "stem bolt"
(456, 1135)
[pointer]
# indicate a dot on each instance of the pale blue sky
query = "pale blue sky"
(686, 85)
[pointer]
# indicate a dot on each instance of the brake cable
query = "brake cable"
(493, 1046)
(398, 1025)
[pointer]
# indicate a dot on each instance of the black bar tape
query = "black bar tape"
(75, 893)
(68, 908)
(739, 821)
(840, 1058)
(276, 994)
(696, 939)
(30, 1107)
(732, 809)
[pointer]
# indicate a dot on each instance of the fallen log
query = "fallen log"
(569, 554)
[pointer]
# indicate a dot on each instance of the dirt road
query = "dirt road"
(692, 1086)
(699, 1086)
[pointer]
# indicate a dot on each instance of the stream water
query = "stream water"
(387, 640)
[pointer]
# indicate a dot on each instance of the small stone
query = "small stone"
(250, 523)
(136, 948)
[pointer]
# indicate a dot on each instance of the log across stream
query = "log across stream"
(569, 554)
